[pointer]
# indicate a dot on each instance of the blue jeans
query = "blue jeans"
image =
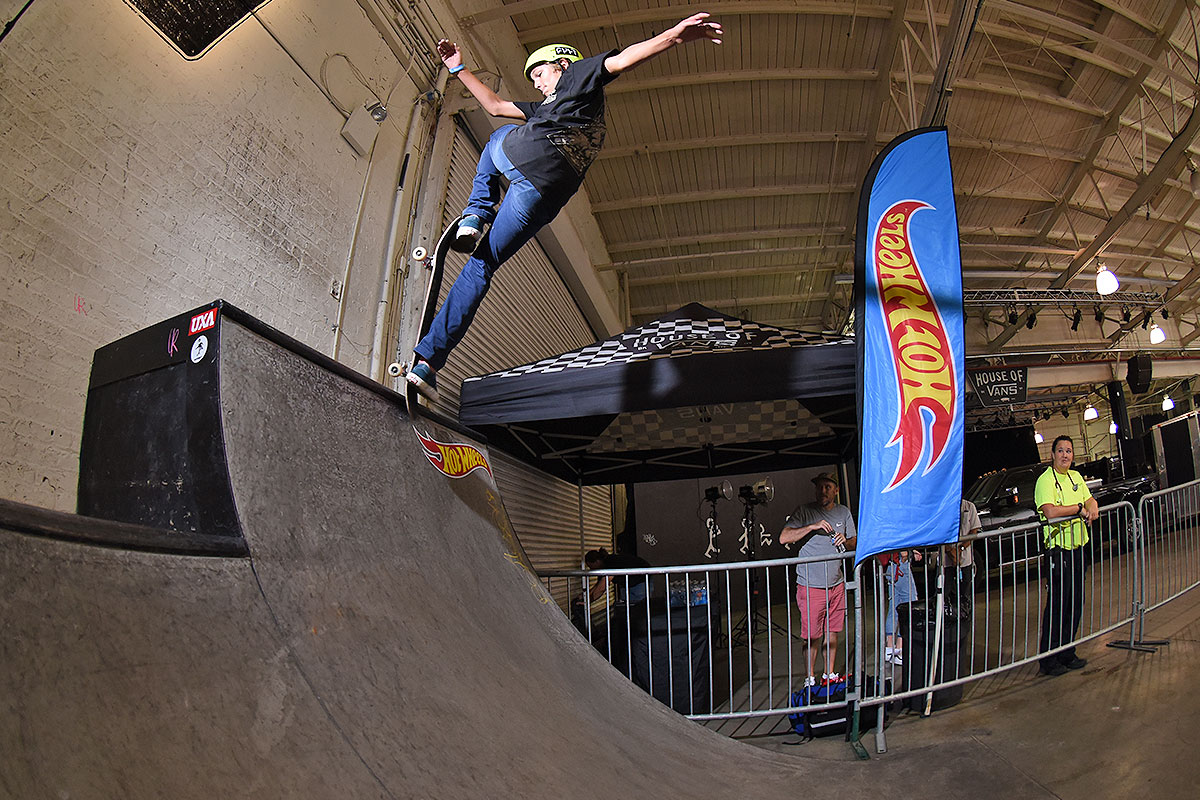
(522, 213)
(901, 589)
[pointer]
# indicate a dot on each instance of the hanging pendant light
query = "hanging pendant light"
(1106, 281)
(1090, 413)
(1157, 335)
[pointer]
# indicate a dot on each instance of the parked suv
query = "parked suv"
(1004, 499)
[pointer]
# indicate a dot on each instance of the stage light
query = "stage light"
(1037, 437)
(1099, 315)
(1090, 413)
(1146, 320)
(1032, 319)
(1126, 314)
(1164, 313)
(1168, 403)
(1066, 413)
(1157, 335)
(1075, 320)
(1013, 316)
(714, 493)
(1112, 427)
(761, 492)
(1106, 281)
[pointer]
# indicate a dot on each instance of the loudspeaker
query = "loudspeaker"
(1120, 410)
(1139, 373)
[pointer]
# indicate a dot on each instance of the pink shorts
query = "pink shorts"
(821, 610)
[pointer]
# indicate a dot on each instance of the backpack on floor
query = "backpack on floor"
(821, 721)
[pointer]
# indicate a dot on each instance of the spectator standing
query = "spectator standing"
(1066, 504)
(826, 529)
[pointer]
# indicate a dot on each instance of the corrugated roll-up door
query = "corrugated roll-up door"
(528, 314)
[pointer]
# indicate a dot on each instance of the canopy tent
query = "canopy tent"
(691, 394)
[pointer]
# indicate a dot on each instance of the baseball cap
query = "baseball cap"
(826, 476)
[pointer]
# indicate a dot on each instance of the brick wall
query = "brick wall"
(138, 185)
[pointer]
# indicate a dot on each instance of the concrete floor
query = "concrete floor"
(1122, 727)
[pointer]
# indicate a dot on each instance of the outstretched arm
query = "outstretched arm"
(688, 30)
(492, 103)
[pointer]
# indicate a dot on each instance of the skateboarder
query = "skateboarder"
(544, 159)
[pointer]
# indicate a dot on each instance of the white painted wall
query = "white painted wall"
(137, 185)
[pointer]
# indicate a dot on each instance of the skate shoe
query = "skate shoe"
(470, 231)
(424, 378)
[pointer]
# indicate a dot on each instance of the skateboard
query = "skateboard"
(436, 261)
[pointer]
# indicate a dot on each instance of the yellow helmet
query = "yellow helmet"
(549, 54)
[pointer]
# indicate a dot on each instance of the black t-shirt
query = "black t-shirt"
(562, 134)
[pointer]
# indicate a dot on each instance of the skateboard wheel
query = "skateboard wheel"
(395, 370)
(419, 253)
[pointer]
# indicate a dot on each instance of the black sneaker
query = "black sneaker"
(1053, 670)
(1075, 663)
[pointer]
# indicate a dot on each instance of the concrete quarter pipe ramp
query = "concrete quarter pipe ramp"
(382, 639)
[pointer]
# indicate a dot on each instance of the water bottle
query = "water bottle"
(841, 548)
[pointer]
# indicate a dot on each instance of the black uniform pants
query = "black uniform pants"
(1064, 602)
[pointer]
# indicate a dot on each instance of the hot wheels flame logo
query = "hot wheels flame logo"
(920, 348)
(455, 460)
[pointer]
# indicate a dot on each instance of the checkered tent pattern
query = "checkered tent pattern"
(673, 336)
(717, 424)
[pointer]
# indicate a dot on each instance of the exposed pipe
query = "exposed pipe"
(410, 165)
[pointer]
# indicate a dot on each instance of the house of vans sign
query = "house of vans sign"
(1000, 386)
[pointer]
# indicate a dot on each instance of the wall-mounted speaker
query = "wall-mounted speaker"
(1138, 375)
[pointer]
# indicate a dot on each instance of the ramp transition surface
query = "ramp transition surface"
(383, 639)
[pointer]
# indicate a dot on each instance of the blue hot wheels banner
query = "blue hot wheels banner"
(909, 322)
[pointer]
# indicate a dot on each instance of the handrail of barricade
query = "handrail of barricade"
(767, 694)
(995, 613)
(1171, 545)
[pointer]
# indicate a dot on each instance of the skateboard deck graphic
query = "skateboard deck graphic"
(437, 262)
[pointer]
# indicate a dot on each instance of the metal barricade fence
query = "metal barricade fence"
(993, 614)
(1169, 536)
(719, 642)
(724, 641)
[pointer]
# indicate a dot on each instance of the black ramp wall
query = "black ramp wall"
(383, 639)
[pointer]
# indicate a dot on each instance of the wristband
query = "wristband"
(456, 70)
(1081, 508)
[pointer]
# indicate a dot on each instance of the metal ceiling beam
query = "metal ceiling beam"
(1050, 21)
(1187, 281)
(715, 142)
(709, 195)
(712, 255)
(725, 237)
(957, 37)
(675, 81)
(881, 91)
(737, 273)
(1073, 32)
(1169, 163)
(672, 13)
(1109, 126)
(731, 302)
